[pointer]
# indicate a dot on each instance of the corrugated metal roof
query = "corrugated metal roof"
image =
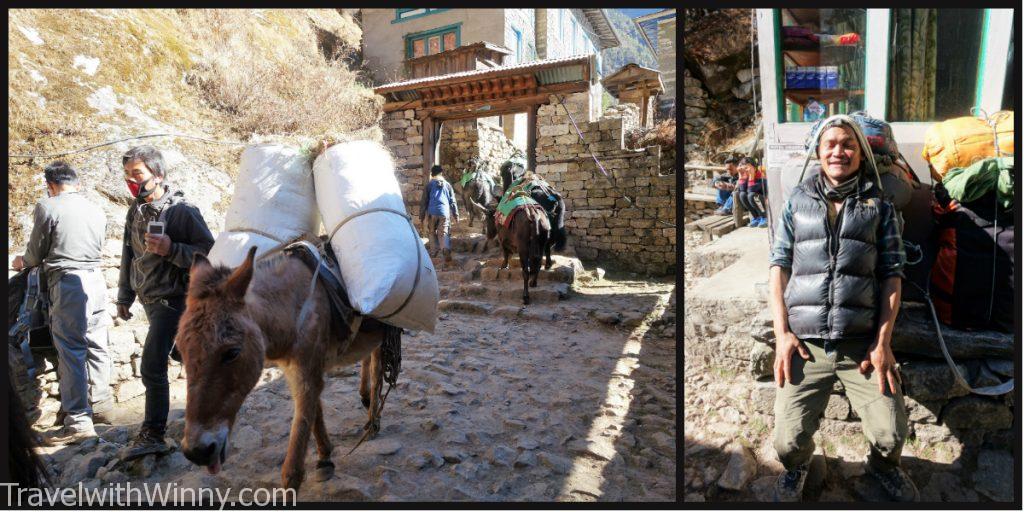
(656, 15)
(551, 71)
(606, 33)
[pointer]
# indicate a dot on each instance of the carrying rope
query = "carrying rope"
(580, 135)
(995, 217)
(256, 231)
(416, 237)
(1000, 389)
(586, 145)
(112, 142)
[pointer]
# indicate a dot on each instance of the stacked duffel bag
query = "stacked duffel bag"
(971, 160)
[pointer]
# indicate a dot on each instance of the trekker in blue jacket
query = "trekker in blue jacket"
(438, 206)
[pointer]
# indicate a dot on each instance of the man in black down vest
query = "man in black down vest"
(835, 292)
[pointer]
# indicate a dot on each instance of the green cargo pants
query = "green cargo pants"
(800, 404)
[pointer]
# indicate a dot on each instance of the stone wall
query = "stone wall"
(403, 136)
(695, 100)
(205, 186)
(946, 421)
(124, 345)
(627, 218)
(696, 210)
(465, 139)
(940, 411)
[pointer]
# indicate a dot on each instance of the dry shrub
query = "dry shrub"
(662, 134)
(278, 81)
(226, 74)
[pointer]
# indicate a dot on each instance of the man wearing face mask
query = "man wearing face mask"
(154, 269)
(67, 240)
(835, 292)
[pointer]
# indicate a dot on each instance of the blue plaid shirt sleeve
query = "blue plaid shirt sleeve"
(891, 256)
(782, 250)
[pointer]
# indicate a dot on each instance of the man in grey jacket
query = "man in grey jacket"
(154, 269)
(835, 292)
(67, 240)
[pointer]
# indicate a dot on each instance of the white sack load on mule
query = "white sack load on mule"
(386, 270)
(273, 202)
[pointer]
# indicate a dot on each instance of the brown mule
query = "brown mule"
(234, 321)
(529, 234)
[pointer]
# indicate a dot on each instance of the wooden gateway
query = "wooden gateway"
(487, 92)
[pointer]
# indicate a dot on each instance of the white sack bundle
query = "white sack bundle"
(385, 267)
(273, 202)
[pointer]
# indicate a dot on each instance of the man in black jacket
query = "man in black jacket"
(835, 292)
(154, 269)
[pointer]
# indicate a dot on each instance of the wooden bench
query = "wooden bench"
(713, 226)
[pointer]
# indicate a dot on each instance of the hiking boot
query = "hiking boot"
(896, 482)
(73, 435)
(789, 488)
(147, 441)
(102, 412)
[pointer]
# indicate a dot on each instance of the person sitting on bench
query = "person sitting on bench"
(751, 191)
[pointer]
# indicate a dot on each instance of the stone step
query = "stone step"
(539, 313)
(509, 292)
(514, 273)
(455, 276)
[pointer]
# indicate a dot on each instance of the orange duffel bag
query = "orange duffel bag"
(963, 141)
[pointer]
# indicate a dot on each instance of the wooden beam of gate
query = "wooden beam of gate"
(500, 106)
(483, 92)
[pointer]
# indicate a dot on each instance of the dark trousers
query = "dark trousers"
(163, 327)
(752, 198)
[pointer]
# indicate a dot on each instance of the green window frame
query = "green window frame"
(995, 43)
(427, 34)
(426, 12)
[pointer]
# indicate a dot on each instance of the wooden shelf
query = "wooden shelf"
(824, 55)
(824, 96)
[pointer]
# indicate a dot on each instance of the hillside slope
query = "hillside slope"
(80, 77)
(632, 47)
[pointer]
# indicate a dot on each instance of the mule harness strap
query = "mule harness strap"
(391, 364)
(416, 237)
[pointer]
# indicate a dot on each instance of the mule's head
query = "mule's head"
(222, 350)
(491, 228)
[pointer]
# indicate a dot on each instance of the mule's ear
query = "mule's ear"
(238, 281)
(200, 265)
